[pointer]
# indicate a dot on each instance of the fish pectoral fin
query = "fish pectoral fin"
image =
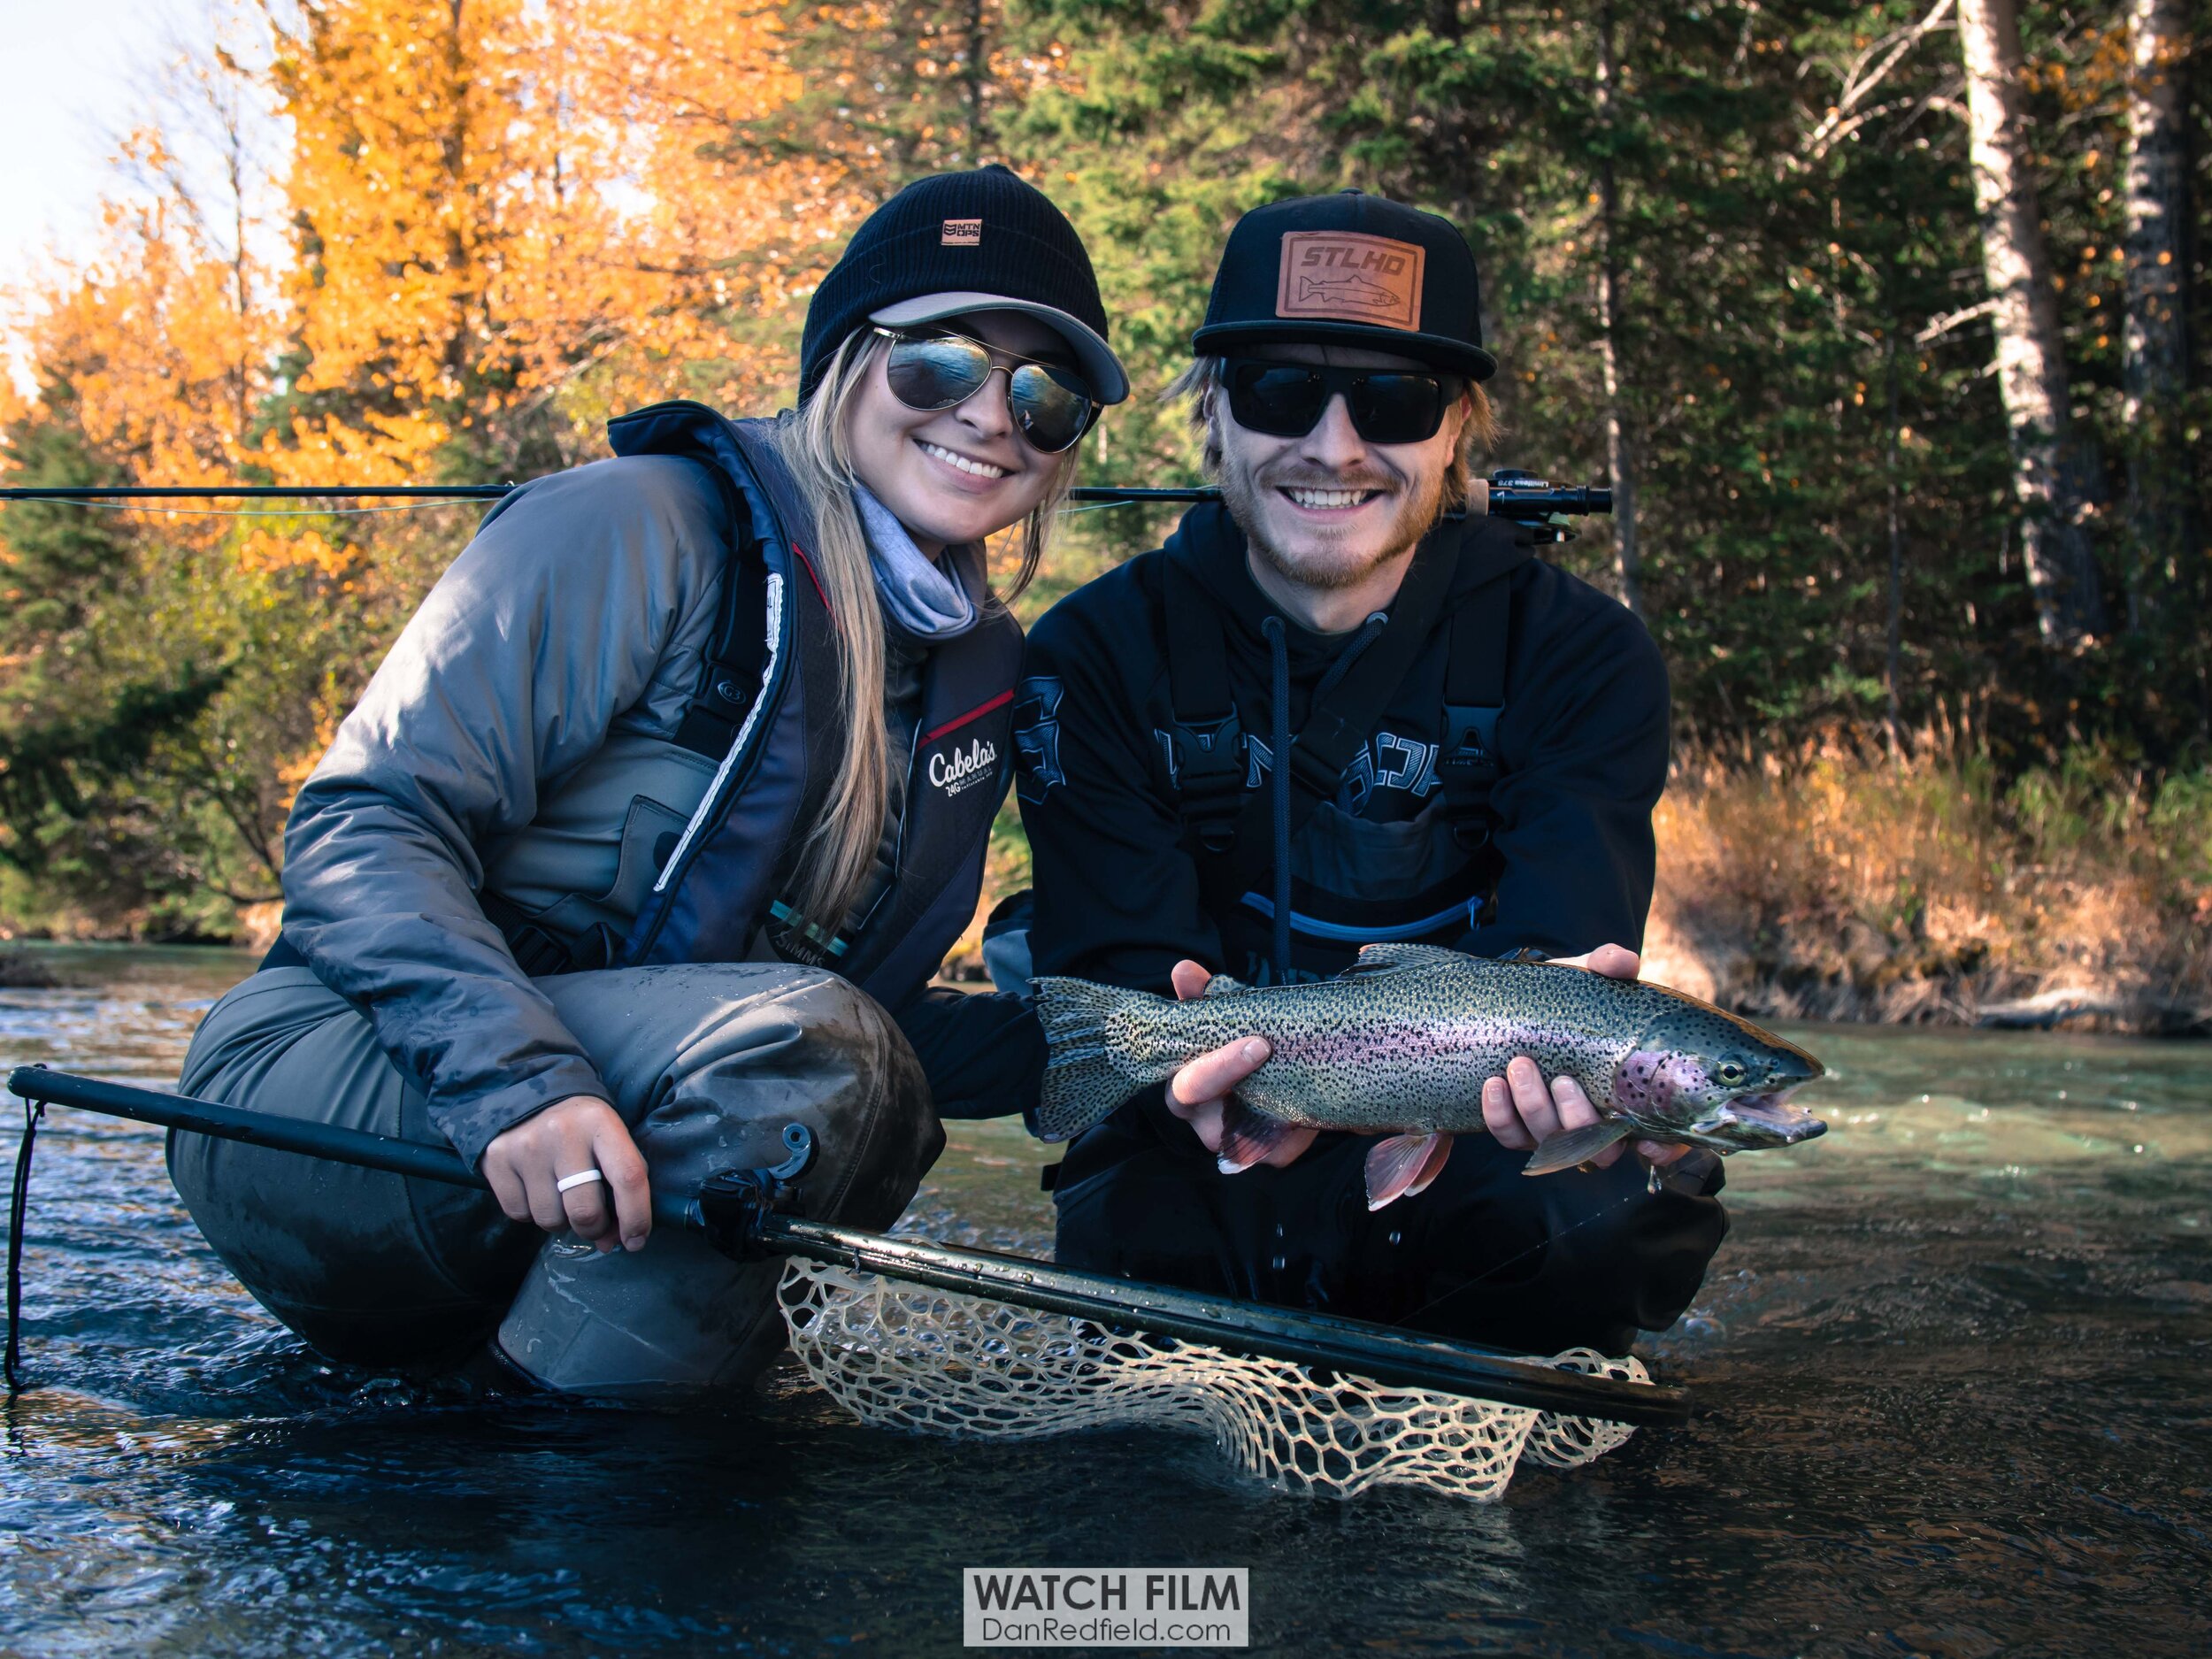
(1576, 1145)
(1248, 1136)
(1431, 1166)
(1397, 1166)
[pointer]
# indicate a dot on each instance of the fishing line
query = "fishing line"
(18, 1202)
(1100, 506)
(264, 512)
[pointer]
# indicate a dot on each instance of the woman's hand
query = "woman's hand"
(527, 1164)
(1521, 1110)
(1199, 1094)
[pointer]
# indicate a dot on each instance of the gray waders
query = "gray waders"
(707, 1064)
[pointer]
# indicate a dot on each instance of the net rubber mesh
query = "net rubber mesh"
(933, 1362)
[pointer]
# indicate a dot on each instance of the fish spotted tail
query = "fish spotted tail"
(1085, 1078)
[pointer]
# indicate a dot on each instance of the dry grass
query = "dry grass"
(1832, 885)
(1828, 884)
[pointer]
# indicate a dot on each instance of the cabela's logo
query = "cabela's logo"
(955, 772)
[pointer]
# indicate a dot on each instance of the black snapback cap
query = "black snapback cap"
(1350, 269)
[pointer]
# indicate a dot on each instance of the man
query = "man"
(1337, 708)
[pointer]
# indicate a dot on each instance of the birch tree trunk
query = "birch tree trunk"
(2154, 345)
(1627, 565)
(2030, 362)
(1892, 661)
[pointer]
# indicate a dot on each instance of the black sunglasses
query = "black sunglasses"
(1286, 400)
(1051, 405)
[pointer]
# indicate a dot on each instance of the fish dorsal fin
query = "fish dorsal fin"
(1222, 984)
(1395, 959)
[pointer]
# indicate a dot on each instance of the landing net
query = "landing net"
(935, 1361)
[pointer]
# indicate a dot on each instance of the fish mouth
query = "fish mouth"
(1764, 1120)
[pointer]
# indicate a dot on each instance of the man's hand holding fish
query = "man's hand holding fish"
(1522, 1108)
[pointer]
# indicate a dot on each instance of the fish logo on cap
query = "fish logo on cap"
(1346, 277)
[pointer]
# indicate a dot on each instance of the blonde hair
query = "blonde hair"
(1200, 381)
(840, 850)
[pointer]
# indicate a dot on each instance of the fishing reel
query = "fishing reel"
(1514, 492)
(731, 1204)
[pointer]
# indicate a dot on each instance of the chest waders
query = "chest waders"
(822, 1057)
(712, 1020)
(767, 715)
(1235, 831)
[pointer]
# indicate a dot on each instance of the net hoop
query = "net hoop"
(933, 1362)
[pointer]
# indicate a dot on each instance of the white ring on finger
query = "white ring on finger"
(582, 1178)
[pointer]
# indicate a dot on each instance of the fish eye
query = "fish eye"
(1730, 1072)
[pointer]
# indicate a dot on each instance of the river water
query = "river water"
(1951, 1370)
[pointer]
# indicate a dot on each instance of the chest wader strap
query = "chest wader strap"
(539, 951)
(1206, 755)
(729, 680)
(1234, 828)
(1468, 766)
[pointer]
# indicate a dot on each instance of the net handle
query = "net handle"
(739, 1214)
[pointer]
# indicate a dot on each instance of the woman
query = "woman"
(643, 843)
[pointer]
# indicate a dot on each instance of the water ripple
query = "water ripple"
(1950, 1371)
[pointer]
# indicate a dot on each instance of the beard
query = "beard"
(1328, 558)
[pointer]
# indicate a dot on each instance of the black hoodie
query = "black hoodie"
(1583, 738)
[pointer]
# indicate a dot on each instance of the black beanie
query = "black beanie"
(985, 231)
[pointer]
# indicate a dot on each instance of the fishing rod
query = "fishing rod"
(745, 1214)
(1508, 493)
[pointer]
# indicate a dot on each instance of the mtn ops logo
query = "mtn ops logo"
(955, 770)
(1345, 277)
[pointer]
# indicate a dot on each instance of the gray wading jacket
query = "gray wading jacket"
(520, 740)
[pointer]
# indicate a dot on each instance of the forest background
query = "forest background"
(1886, 323)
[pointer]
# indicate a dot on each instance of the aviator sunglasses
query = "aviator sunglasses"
(1051, 406)
(1285, 400)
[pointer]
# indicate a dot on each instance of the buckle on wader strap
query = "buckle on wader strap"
(1230, 822)
(1208, 766)
(1469, 766)
(1206, 761)
(538, 950)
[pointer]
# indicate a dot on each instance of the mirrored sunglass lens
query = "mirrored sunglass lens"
(1052, 413)
(1397, 408)
(935, 373)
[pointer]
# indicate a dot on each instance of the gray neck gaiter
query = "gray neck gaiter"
(918, 593)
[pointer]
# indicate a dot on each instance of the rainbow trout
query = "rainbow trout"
(1401, 1043)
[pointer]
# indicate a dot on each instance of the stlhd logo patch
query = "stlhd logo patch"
(1345, 277)
(954, 770)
